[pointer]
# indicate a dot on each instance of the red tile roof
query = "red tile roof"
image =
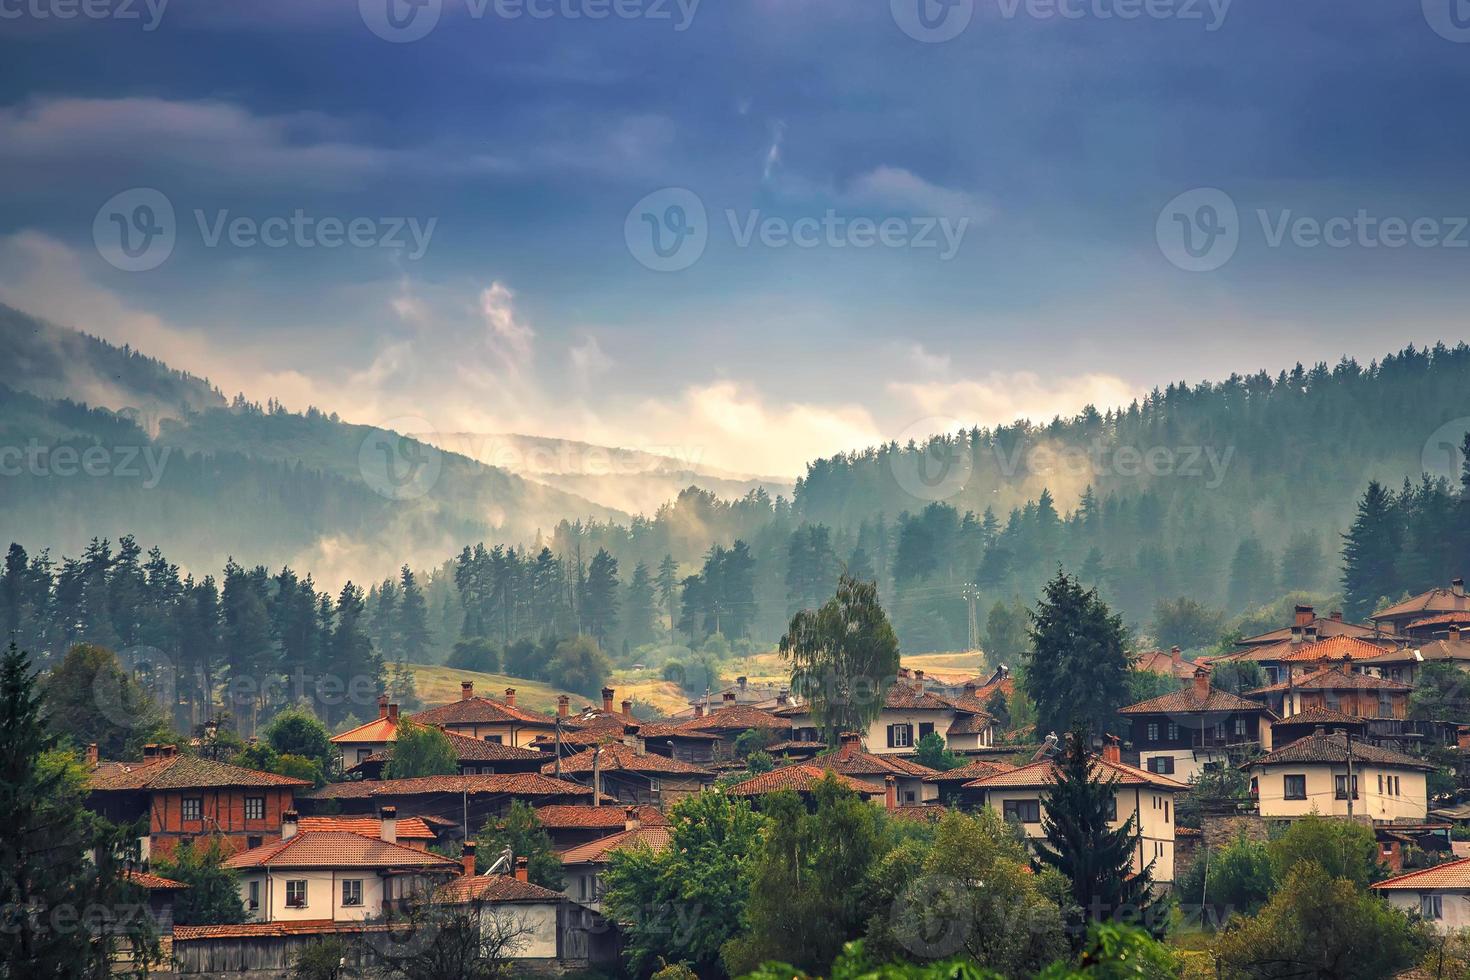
(250, 930)
(1320, 716)
(482, 711)
(568, 817)
(496, 889)
(978, 769)
(1335, 648)
(1433, 601)
(337, 849)
(181, 772)
(408, 828)
(1325, 627)
(599, 851)
(510, 784)
(1043, 773)
(1452, 874)
(851, 759)
(1426, 651)
(1164, 662)
(801, 778)
(1184, 701)
(1445, 618)
(1335, 678)
(616, 756)
(1333, 749)
(152, 882)
(736, 718)
(660, 730)
(377, 730)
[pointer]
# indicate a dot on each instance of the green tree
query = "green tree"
(1078, 671)
(1318, 927)
(411, 624)
(1186, 624)
(478, 653)
(1370, 553)
(932, 752)
(807, 885)
(89, 698)
(322, 960)
(1440, 693)
(1095, 857)
(641, 607)
(521, 831)
(213, 895)
(600, 596)
(580, 666)
(420, 750)
(1342, 848)
(685, 902)
(1241, 877)
(1005, 632)
(296, 731)
(843, 657)
(55, 855)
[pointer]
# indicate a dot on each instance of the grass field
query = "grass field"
(437, 685)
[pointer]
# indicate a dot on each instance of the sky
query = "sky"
(748, 232)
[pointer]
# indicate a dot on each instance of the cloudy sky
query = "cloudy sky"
(752, 230)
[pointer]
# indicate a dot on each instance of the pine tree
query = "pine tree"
(411, 626)
(600, 596)
(1079, 808)
(640, 607)
(1370, 553)
(1078, 670)
(668, 587)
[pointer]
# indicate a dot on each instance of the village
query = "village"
(1327, 735)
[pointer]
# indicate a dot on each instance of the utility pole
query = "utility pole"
(1349, 736)
(971, 594)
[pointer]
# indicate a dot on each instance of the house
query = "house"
(949, 785)
(161, 893)
(684, 744)
(800, 778)
(730, 722)
(1183, 733)
(358, 744)
(910, 711)
(571, 825)
(1405, 663)
(408, 831)
(185, 797)
(1171, 664)
(1304, 723)
(1441, 894)
(1019, 795)
(458, 801)
(531, 919)
(334, 874)
(485, 718)
(1396, 618)
(1306, 623)
(585, 863)
(851, 759)
(1311, 774)
(1302, 655)
(477, 757)
(1336, 688)
(1440, 626)
(630, 775)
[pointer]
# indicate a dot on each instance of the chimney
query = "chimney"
(630, 818)
(919, 676)
(382, 705)
(510, 696)
(467, 859)
(1111, 752)
(388, 824)
(741, 681)
(699, 709)
(890, 792)
(563, 705)
(150, 751)
(627, 707)
(1201, 683)
(783, 697)
(1296, 633)
(1457, 588)
(728, 698)
(1304, 615)
(607, 696)
(1176, 655)
(851, 742)
(1310, 633)
(970, 688)
(167, 751)
(466, 690)
(1337, 615)
(523, 869)
(92, 756)
(288, 824)
(393, 713)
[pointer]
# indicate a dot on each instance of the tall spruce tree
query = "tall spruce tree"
(411, 634)
(1079, 840)
(1370, 552)
(1078, 670)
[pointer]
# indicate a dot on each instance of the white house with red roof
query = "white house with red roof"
(485, 718)
(336, 875)
(357, 744)
(1440, 894)
(911, 710)
(1018, 795)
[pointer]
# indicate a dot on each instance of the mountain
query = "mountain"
(630, 480)
(172, 462)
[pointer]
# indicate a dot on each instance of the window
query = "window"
(192, 808)
(1295, 787)
(296, 894)
(1025, 811)
(252, 901)
(900, 736)
(1380, 784)
(1431, 906)
(253, 842)
(255, 808)
(1395, 786)
(908, 797)
(1113, 809)
(1341, 787)
(1240, 727)
(1173, 731)
(362, 754)
(925, 728)
(1153, 731)
(1162, 764)
(495, 739)
(1166, 811)
(352, 891)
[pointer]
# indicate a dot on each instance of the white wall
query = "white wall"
(1455, 906)
(1155, 811)
(324, 894)
(1411, 801)
(534, 923)
(1188, 763)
